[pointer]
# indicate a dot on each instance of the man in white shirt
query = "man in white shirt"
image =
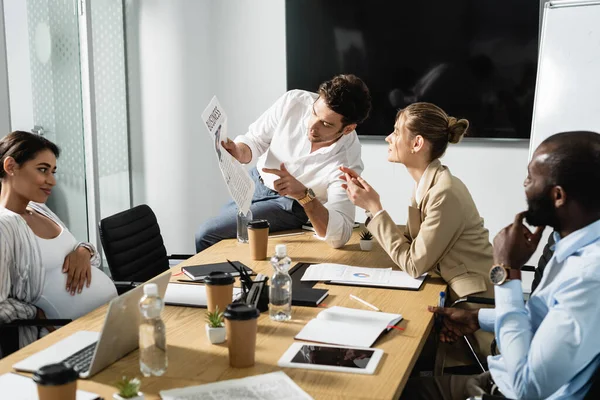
(300, 143)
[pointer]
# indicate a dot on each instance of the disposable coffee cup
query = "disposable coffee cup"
(56, 382)
(258, 237)
(219, 290)
(240, 325)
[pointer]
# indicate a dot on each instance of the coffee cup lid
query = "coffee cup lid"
(241, 312)
(55, 375)
(258, 224)
(219, 278)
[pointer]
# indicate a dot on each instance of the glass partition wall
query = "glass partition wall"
(67, 81)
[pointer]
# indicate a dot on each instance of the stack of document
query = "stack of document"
(267, 386)
(360, 276)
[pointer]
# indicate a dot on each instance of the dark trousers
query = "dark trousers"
(448, 387)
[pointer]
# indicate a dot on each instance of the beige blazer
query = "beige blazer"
(444, 234)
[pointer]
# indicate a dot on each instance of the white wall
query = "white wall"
(170, 81)
(4, 106)
(249, 49)
(236, 50)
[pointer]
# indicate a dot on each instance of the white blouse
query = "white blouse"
(55, 300)
(281, 135)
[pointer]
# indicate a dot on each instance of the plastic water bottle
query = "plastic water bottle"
(242, 225)
(280, 291)
(153, 338)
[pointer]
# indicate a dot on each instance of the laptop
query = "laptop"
(90, 352)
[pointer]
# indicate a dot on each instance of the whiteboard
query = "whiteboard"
(567, 92)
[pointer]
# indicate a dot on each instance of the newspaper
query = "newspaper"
(238, 180)
(273, 386)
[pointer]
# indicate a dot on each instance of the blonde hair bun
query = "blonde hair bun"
(456, 129)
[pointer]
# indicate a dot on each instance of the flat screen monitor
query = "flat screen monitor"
(477, 59)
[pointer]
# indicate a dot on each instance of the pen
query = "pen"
(353, 297)
(243, 277)
(442, 300)
(441, 304)
(287, 234)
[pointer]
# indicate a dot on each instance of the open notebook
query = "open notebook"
(348, 326)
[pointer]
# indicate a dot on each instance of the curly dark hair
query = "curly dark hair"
(348, 96)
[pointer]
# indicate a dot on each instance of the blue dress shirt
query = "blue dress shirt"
(551, 345)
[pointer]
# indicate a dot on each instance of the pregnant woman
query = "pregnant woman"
(45, 272)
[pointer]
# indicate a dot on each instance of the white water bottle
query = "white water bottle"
(153, 338)
(280, 290)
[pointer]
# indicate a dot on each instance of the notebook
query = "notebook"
(308, 297)
(198, 272)
(190, 295)
(348, 326)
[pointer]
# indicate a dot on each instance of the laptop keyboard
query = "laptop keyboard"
(81, 360)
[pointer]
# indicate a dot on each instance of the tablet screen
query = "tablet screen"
(334, 356)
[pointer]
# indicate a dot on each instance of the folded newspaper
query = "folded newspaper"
(238, 180)
(273, 386)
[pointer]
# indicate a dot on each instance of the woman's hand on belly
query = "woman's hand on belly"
(78, 268)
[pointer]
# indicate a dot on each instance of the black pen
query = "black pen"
(243, 278)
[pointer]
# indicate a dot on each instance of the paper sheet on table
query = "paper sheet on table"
(273, 386)
(238, 180)
(346, 273)
(20, 387)
(190, 295)
(398, 280)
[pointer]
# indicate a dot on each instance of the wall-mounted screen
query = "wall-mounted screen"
(477, 59)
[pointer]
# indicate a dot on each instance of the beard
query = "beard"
(541, 211)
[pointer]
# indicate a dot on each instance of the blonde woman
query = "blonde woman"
(444, 232)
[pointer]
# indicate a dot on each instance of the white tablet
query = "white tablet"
(331, 358)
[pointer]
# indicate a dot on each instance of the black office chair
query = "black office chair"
(9, 333)
(134, 247)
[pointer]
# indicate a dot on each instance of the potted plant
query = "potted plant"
(366, 240)
(215, 326)
(128, 389)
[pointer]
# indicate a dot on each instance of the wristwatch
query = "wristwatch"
(500, 274)
(309, 196)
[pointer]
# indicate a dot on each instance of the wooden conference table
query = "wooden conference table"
(193, 360)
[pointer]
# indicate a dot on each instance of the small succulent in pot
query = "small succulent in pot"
(366, 240)
(215, 326)
(128, 389)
